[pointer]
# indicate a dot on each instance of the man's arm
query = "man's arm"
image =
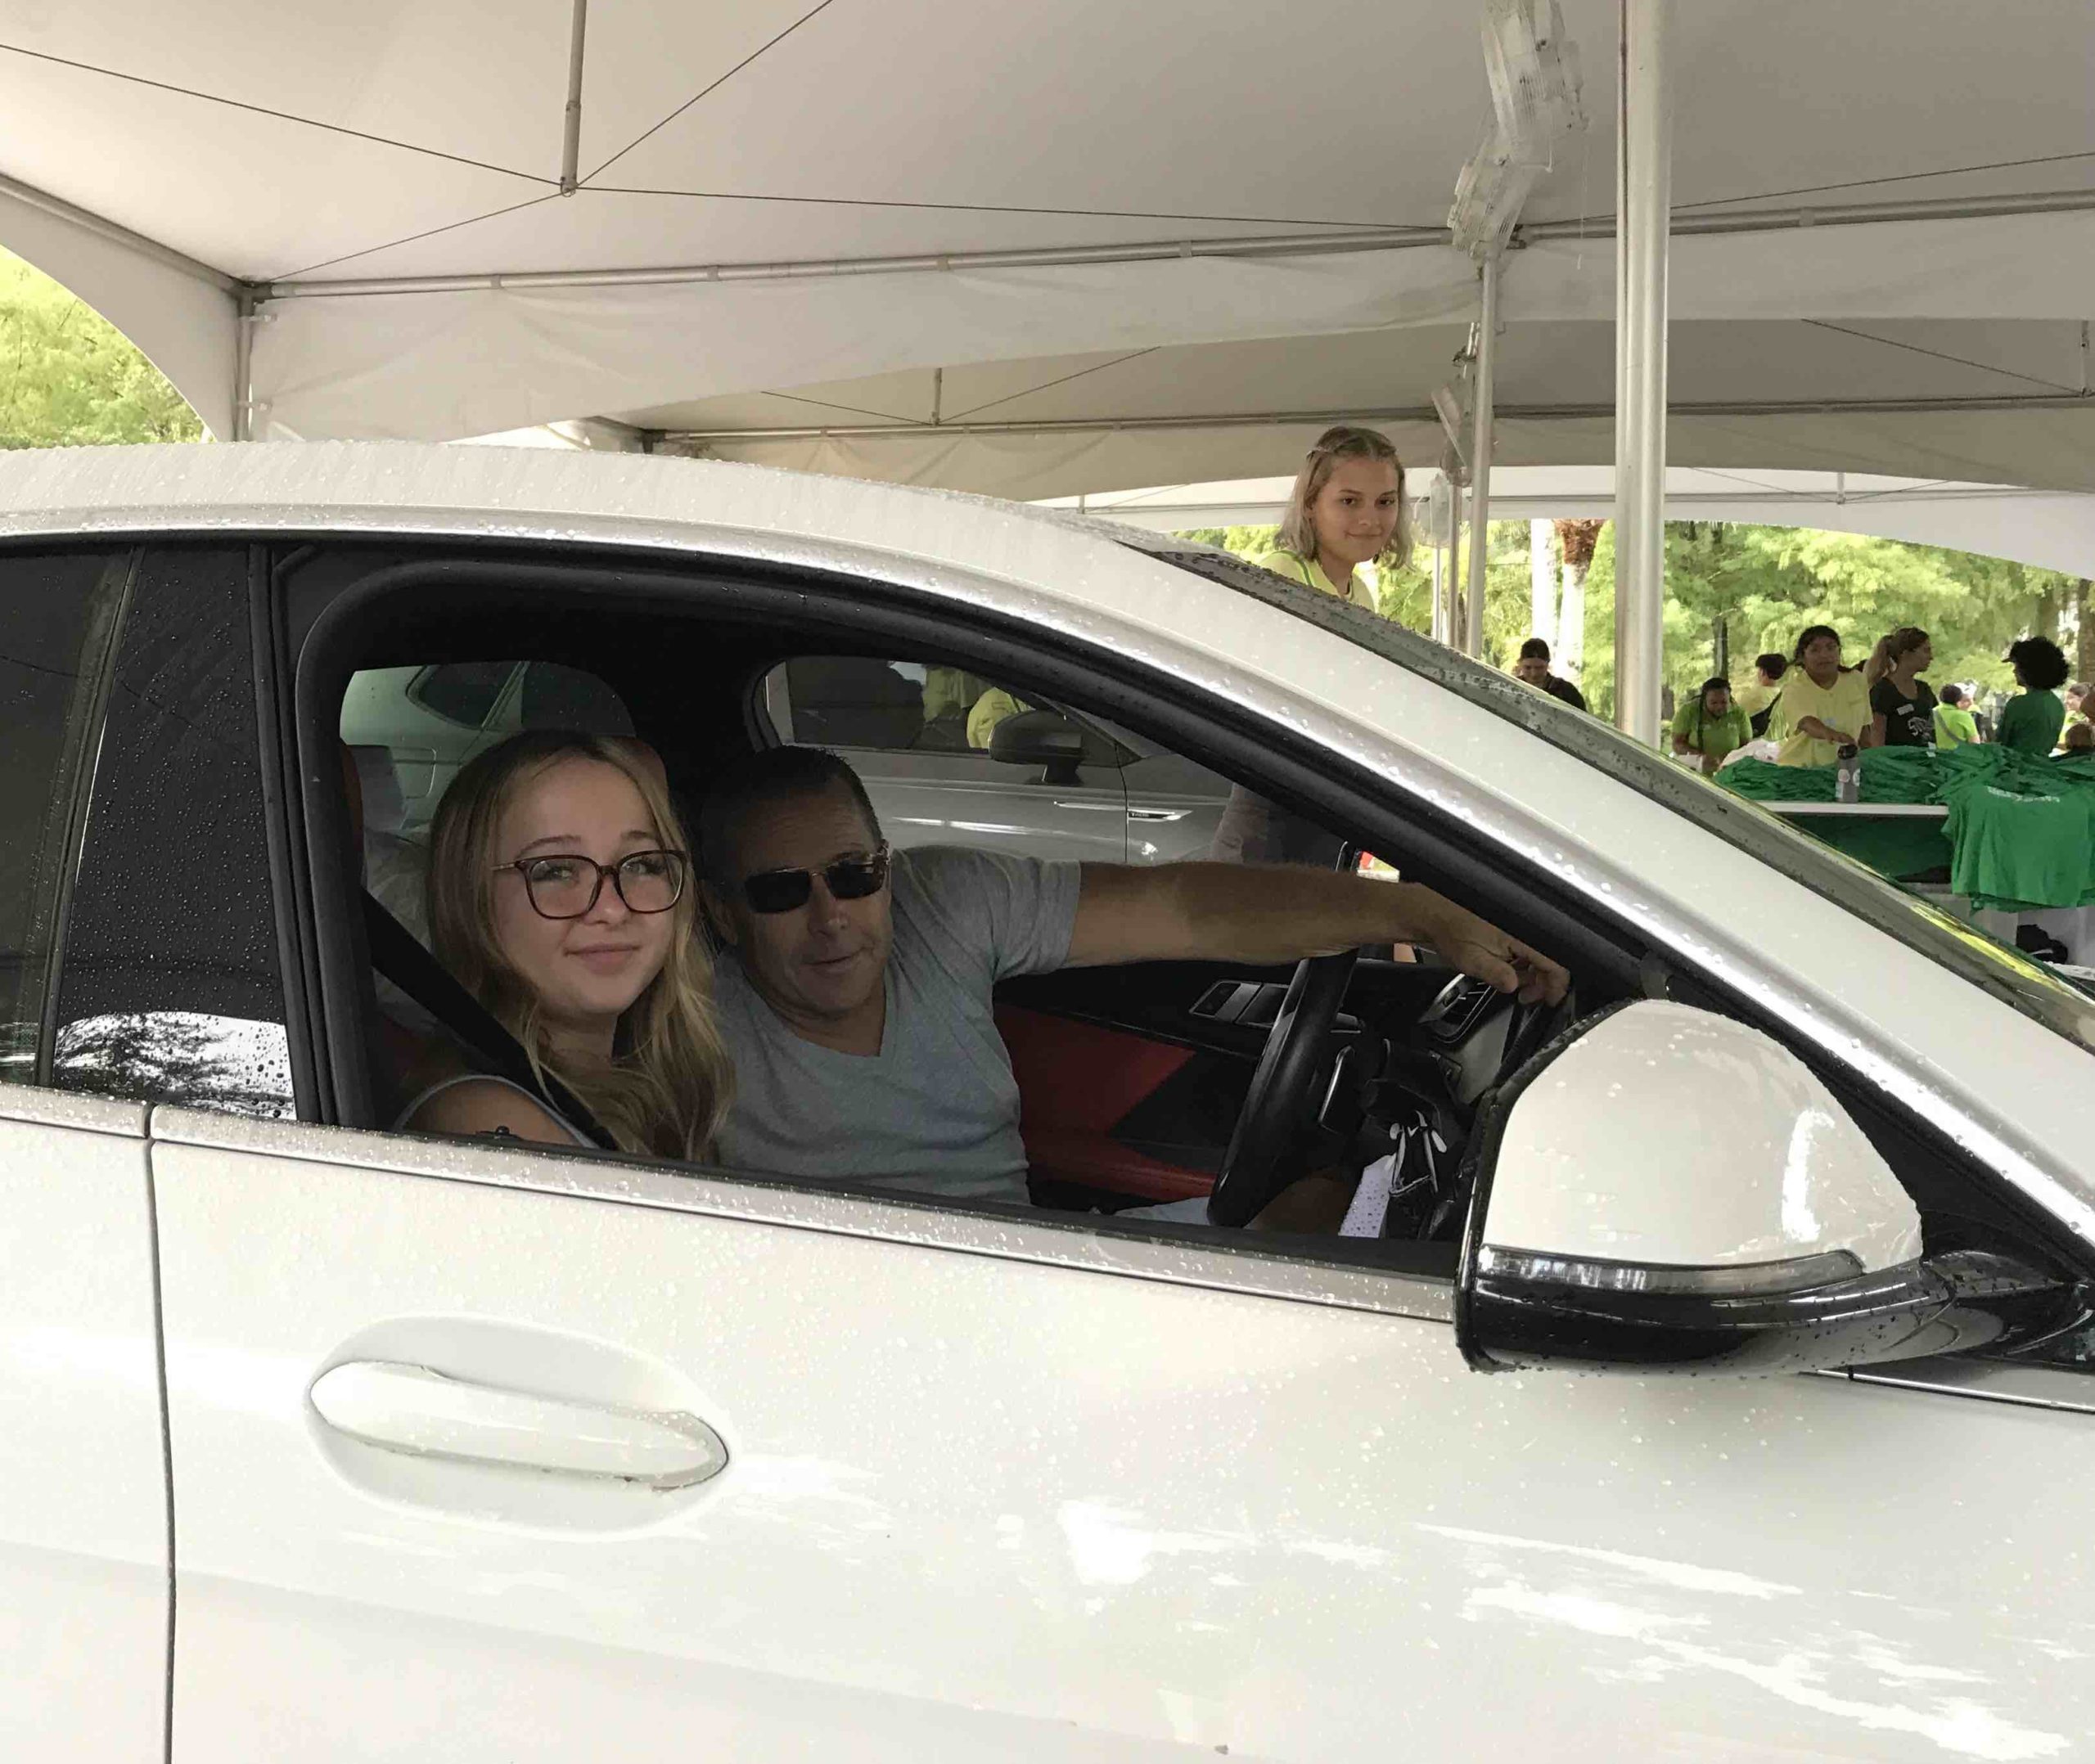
(1261, 915)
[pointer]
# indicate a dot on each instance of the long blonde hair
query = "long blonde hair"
(1297, 532)
(1889, 650)
(665, 1092)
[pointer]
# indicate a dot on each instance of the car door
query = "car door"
(84, 1565)
(903, 726)
(500, 1452)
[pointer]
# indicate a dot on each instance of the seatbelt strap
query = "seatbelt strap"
(396, 954)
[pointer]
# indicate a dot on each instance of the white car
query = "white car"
(319, 1440)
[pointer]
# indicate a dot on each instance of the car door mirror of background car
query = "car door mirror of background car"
(1665, 1189)
(1041, 738)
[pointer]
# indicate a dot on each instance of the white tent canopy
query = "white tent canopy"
(1040, 250)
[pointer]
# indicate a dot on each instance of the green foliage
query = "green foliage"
(70, 378)
(1766, 583)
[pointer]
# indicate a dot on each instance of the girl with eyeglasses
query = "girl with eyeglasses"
(557, 898)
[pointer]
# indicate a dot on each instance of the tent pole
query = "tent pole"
(570, 150)
(243, 367)
(1487, 353)
(1439, 593)
(1643, 200)
(1457, 619)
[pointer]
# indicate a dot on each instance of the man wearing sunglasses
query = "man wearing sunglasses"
(854, 986)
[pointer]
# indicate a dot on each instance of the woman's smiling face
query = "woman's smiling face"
(586, 972)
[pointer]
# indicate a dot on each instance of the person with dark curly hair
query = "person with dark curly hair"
(2031, 722)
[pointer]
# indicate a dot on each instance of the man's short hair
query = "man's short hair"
(1953, 694)
(1772, 665)
(1534, 650)
(777, 775)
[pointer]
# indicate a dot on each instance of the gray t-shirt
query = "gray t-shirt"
(936, 1110)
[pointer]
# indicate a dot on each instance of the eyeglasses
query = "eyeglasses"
(566, 885)
(852, 878)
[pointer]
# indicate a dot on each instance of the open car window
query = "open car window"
(2027, 985)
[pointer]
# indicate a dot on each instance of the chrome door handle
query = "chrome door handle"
(1158, 814)
(415, 1410)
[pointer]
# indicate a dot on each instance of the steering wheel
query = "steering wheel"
(1257, 1165)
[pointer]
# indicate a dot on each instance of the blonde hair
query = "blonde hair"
(665, 1093)
(1890, 648)
(1297, 532)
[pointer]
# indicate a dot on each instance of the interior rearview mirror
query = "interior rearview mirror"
(1667, 1190)
(1042, 738)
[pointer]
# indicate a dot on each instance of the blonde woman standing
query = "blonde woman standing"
(557, 897)
(1347, 509)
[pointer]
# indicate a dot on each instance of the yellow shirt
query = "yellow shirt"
(1755, 699)
(991, 709)
(1843, 705)
(1310, 573)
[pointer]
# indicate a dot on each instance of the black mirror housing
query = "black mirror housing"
(1042, 738)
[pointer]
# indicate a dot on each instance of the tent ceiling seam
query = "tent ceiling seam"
(102, 227)
(1097, 367)
(1424, 414)
(1940, 355)
(282, 116)
(264, 288)
(1009, 208)
(708, 91)
(1894, 177)
(1277, 245)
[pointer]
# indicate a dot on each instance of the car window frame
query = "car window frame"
(1462, 858)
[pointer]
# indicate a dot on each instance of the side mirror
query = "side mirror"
(1042, 738)
(1667, 1190)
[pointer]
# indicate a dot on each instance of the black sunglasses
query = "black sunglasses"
(852, 878)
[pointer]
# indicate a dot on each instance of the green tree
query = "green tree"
(70, 378)
(1764, 584)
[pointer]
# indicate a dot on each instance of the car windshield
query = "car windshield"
(2031, 988)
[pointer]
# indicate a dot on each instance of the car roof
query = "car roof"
(569, 495)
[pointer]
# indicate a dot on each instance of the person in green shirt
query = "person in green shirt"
(1954, 724)
(2031, 722)
(1709, 725)
(1347, 509)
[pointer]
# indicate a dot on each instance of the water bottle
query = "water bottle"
(1847, 774)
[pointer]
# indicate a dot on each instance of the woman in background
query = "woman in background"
(1347, 509)
(1709, 725)
(1902, 706)
(2032, 719)
(1824, 707)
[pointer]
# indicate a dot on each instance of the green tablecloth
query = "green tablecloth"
(2020, 833)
